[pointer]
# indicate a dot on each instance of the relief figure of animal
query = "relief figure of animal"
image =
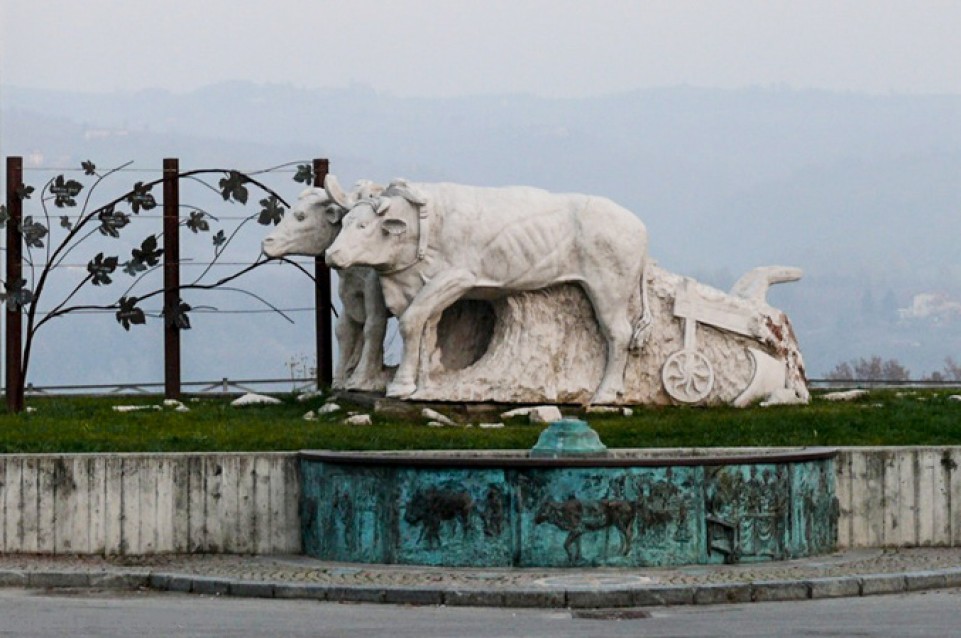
(576, 517)
(432, 507)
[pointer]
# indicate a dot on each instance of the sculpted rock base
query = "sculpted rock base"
(544, 346)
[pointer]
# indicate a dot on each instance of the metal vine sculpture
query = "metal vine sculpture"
(110, 220)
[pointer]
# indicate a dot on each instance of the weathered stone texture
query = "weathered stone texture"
(149, 503)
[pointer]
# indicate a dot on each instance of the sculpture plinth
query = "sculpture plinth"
(544, 346)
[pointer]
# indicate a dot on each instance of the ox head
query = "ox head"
(382, 231)
(313, 223)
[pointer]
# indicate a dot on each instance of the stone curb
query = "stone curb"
(646, 596)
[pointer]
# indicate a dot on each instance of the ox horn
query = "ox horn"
(408, 192)
(335, 192)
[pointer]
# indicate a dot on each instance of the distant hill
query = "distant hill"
(863, 192)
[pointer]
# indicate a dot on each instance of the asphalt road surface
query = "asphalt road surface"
(147, 614)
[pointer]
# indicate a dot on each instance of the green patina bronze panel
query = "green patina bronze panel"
(346, 512)
(553, 514)
(454, 517)
(596, 516)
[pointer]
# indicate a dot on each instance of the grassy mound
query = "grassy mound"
(883, 417)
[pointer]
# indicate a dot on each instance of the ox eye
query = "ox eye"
(300, 216)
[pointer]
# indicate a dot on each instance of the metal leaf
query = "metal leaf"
(197, 223)
(101, 268)
(33, 232)
(111, 221)
(177, 317)
(304, 174)
(140, 198)
(272, 211)
(232, 187)
(129, 313)
(88, 168)
(17, 295)
(23, 191)
(148, 253)
(64, 191)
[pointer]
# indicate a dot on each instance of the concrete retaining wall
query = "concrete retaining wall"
(908, 496)
(247, 503)
(149, 503)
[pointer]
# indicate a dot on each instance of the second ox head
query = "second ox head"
(314, 221)
(381, 231)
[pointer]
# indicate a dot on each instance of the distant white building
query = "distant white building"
(931, 306)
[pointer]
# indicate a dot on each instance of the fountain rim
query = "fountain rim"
(620, 457)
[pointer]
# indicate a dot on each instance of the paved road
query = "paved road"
(147, 614)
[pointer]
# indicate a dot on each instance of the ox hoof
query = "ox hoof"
(366, 384)
(605, 398)
(400, 390)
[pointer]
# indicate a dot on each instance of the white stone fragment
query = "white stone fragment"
(309, 395)
(358, 419)
(847, 395)
(490, 426)
(30, 409)
(510, 414)
(954, 397)
(176, 405)
(784, 396)
(435, 424)
(310, 416)
(434, 415)
(328, 408)
(544, 414)
(135, 408)
(627, 412)
(254, 399)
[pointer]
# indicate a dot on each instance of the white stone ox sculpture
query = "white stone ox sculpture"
(308, 229)
(435, 244)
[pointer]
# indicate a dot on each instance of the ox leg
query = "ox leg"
(348, 334)
(615, 327)
(572, 545)
(434, 297)
(370, 369)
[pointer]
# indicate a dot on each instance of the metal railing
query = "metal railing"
(830, 384)
(227, 385)
(221, 387)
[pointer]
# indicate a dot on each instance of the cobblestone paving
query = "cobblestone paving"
(300, 569)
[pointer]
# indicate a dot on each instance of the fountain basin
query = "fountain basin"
(627, 508)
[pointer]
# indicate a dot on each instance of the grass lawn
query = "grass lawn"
(884, 417)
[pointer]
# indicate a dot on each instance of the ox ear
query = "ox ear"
(394, 227)
(335, 192)
(333, 214)
(383, 204)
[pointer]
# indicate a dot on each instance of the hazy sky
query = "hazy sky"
(456, 47)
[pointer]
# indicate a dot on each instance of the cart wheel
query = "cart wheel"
(687, 376)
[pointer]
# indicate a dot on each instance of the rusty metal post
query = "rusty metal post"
(171, 244)
(14, 333)
(322, 303)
